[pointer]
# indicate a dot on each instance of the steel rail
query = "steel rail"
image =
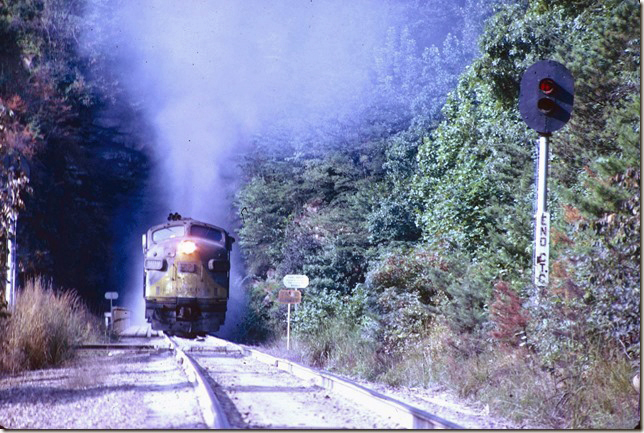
(212, 412)
(411, 417)
(123, 346)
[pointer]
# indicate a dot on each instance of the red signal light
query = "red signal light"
(547, 86)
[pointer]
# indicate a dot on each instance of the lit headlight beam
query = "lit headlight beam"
(187, 247)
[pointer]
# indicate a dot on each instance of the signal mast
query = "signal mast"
(545, 103)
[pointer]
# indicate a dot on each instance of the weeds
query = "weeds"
(511, 381)
(43, 328)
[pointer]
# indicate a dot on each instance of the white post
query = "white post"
(8, 293)
(10, 289)
(542, 217)
(542, 192)
(288, 327)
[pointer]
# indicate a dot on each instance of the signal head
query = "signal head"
(546, 96)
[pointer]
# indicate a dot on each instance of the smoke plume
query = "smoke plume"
(209, 75)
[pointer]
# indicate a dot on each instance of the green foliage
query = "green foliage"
(599, 172)
(409, 286)
(319, 200)
(474, 174)
(335, 328)
(262, 320)
(470, 293)
(260, 237)
(454, 175)
(594, 293)
(474, 171)
(411, 270)
(604, 260)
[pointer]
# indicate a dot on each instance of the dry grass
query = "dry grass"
(511, 381)
(514, 384)
(43, 328)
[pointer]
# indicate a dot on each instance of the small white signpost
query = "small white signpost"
(291, 297)
(295, 281)
(111, 296)
(108, 316)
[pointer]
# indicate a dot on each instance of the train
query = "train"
(186, 277)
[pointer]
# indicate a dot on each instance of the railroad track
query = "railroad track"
(240, 387)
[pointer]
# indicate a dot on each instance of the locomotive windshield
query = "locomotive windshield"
(206, 233)
(168, 232)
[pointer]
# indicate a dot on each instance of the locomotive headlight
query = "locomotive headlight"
(187, 247)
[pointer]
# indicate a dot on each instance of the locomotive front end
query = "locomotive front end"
(186, 276)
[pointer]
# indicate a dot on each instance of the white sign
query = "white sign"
(296, 281)
(542, 249)
(111, 295)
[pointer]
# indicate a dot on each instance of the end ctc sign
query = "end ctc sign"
(542, 249)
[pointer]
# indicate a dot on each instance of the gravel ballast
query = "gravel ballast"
(102, 389)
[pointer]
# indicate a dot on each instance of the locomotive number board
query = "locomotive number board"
(289, 296)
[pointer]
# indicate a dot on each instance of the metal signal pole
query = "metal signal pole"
(542, 217)
(10, 289)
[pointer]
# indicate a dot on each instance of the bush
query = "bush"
(262, 322)
(508, 315)
(336, 331)
(514, 383)
(409, 286)
(467, 312)
(43, 328)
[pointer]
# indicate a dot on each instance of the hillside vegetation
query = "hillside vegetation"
(412, 216)
(72, 147)
(416, 230)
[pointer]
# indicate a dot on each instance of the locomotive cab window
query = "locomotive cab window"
(206, 233)
(168, 233)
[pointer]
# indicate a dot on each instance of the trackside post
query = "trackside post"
(545, 103)
(291, 297)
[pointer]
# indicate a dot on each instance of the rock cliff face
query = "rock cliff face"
(83, 221)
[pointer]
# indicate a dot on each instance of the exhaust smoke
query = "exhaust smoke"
(209, 76)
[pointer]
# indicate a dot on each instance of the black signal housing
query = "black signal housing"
(546, 96)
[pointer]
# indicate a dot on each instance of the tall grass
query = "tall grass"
(514, 384)
(43, 328)
(511, 381)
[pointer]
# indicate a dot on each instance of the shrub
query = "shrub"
(467, 313)
(409, 286)
(405, 319)
(262, 321)
(507, 315)
(336, 331)
(43, 328)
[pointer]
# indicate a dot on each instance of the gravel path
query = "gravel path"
(145, 389)
(117, 389)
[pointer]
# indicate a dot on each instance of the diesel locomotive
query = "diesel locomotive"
(186, 276)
